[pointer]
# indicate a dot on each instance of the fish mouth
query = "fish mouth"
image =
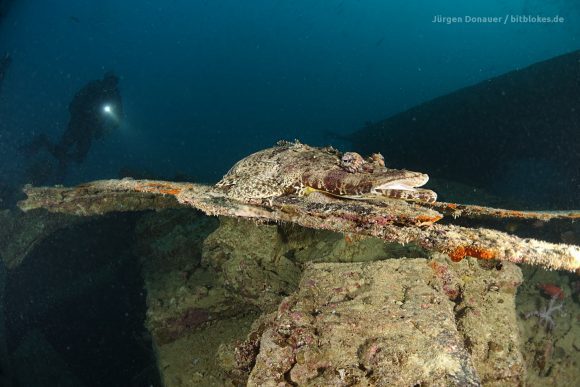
(406, 188)
(405, 184)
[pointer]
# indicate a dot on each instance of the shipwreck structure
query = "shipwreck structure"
(519, 131)
(370, 289)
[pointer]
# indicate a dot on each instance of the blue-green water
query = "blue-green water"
(201, 84)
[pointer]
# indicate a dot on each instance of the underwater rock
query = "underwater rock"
(171, 240)
(262, 263)
(515, 134)
(181, 295)
(394, 322)
(480, 294)
(198, 358)
(251, 262)
(484, 294)
(307, 245)
(379, 323)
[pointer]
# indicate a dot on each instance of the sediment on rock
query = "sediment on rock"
(379, 323)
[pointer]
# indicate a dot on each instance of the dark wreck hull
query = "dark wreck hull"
(515, 135)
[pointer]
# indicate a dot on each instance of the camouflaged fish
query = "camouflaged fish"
(295, 168)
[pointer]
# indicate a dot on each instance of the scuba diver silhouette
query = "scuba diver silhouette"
(95, 110)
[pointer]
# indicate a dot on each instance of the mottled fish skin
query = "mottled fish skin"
(291, 167)
(337, 181)
(260, 175)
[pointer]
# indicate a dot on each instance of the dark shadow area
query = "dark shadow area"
(5, 7)
(515, 135)
(76, 309)
(5, 62)
(10, 194)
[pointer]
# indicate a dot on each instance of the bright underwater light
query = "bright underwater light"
(109, 111)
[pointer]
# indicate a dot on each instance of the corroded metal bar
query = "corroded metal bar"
(390, 220)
